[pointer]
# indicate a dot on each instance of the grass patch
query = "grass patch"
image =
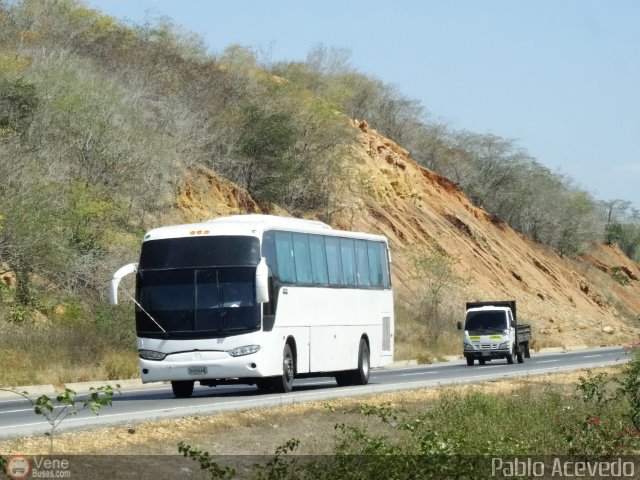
(413, 339)
(73, 344)
(454, 436)
(547, 414)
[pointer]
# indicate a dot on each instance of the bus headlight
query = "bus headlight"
(151, 355)
(246, 350)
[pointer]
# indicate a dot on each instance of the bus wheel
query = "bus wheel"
(284, 383)
(361, 375)
(182, 389)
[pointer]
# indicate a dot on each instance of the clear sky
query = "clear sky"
(562, 77)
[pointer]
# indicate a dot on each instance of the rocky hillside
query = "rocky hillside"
(568, 301)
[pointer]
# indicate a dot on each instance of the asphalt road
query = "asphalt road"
(156, 401)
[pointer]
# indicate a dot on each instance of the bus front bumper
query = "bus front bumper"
(200, 365)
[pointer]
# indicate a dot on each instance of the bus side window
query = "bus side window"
(375, 269)
(284, 258)
(362, 263)
(269, 309)
(384, 261)
(269, 252)
(302, 258)
(318, 259)
(348, 261)
(334, 264)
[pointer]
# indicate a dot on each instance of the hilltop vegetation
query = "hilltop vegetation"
(105, 127)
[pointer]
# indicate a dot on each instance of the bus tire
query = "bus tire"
(361, 375)
(284, 382)
(182, 388)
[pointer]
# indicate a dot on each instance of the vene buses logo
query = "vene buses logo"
(18, 467)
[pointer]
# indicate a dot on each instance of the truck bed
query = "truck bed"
(523, 333)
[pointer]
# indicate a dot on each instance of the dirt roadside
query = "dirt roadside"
(261, 431)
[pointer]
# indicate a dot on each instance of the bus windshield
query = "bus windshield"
(204, 251)
(197, 302)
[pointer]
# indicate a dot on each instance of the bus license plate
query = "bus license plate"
(197, 370)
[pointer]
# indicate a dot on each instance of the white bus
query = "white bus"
(260, 299)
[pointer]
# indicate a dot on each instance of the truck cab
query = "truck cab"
(492, 332)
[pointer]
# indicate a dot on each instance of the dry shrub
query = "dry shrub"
(119, 364)
(13, 365)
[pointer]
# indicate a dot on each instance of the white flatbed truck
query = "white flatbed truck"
(491, 332)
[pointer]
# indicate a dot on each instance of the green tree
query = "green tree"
(18, 102)
(265, 146)
(438, 285)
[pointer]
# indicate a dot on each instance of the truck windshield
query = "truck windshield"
(486, 321)
(197, 302)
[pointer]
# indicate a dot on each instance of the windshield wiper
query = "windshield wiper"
(166, 334)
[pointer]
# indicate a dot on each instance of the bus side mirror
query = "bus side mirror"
(115, 281)
(262, 282)
(459, 324)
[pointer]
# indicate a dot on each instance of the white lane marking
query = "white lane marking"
(306, 384)
(593, 356)
(428, 384)
(160, 389)
(25, 425)
(548, 361)
(417, 373)
(17, 411)
(27, 410)
(67, 421)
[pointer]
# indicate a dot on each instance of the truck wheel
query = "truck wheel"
(510, 357)
(182, 389)
(520, 355)
(470, 361)
(527, 354)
